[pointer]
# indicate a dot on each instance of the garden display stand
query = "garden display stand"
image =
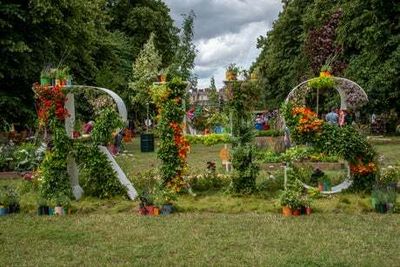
(69, 127)
(351, 96)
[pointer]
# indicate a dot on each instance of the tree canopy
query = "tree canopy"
(364, 35)
(97, 39)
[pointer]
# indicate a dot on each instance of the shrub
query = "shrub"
(209, 140)
(97, 177)
(208, 181)
(27, 157)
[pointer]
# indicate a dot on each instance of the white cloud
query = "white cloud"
(225, 31)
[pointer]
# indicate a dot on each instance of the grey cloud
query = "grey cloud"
(225, 31)
(216, 17)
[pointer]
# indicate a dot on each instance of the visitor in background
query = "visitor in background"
(259, 122)
(117, 141)
(286, 138)
(342, 115)
(88, 127)
(348, 119)
(332, 117)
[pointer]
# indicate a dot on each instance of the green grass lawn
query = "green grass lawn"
(200, 239)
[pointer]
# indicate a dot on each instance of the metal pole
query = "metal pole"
(317, 100)
(147, 120)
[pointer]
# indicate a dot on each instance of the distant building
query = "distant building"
(200, 96)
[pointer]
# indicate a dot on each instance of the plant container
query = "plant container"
(13, 208)
(3, 211)
(286, 211)
(150, 210)
(51, 211)
(166, 209)
(308, 210)
(147, 142)
(381, 207)
(142, 211)
(296, 212)
(43, 210)
(58, 210)
(45, 81)
(156, 211)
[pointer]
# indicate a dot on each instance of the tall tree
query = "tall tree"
(186, 53)
(145, 70)
(212, 95)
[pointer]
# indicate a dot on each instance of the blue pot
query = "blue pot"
(166, 209)
(3, 211)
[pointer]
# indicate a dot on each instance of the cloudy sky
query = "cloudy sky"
(226, 31)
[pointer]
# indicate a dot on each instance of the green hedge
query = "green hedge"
(209, 140)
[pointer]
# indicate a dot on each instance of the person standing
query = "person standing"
(332, 117)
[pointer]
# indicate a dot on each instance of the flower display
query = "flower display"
(308, 120)
(50, 101)
(306, 128)
(180, 141)
(362, 168)
(173, 146)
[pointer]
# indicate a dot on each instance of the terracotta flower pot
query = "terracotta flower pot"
(156, 211)
(150, 210)
(308, 210)
(142, 211)
(286, 211)
(296, 212)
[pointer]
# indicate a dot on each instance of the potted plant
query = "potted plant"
(290, 202)
(379, 200)
(43, 207)
(3, 202)
(62, 204)
(45, 76)
(61, 76)
(164, 199)
(146, 206)
(12, 199)
(306, 205)
(232, 72)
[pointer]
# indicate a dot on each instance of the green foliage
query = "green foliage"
(27, 157)
(9, 195)
(183, 62)
(345, 142)
(208, 181)
(97, 177)
(145, 70)
(271, 133)
(244, 169)
(366, 38)
(98, 39)
(290, 199)
(321, 83)
(7, 157)
(172, 148)
(242, 97)
(209, 139)
(53, 176)
(390, 174)
(53, 170)
(104, 125)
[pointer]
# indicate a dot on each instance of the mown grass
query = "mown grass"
(200, 239)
